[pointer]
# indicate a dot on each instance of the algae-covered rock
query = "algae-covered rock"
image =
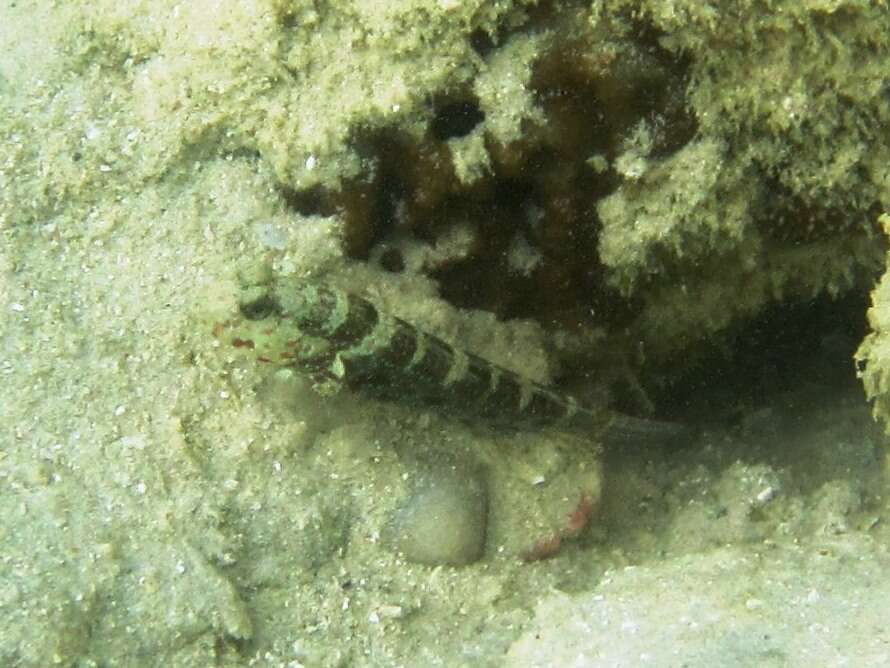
(643, 153)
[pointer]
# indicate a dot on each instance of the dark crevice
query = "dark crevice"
(314, 201)
(786, 349)
(455, 119)
(481, 42)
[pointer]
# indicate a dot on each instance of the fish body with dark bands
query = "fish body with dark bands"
(342, 339)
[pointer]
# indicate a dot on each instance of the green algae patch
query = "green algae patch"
(873, 356)
(683, 207)
(775, 198)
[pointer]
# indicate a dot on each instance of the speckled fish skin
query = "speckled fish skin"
(341, 339)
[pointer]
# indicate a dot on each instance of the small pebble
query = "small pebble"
(444, 520)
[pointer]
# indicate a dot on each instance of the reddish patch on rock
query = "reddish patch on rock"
(576, 520)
